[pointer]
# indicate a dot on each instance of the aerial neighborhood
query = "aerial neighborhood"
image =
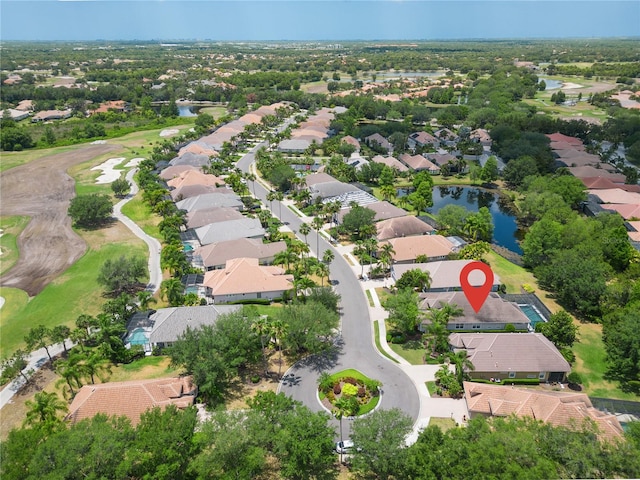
(318, 260)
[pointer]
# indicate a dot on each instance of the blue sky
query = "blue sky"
(316, 19)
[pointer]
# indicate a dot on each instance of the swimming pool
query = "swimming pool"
(138, 337)
(532, 314)
(188, 248)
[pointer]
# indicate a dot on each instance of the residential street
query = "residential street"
(356, 347)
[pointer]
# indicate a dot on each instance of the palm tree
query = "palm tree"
(250, 177)
(388, 192)
(172, 290)
(44, 408)
(79, 336)
(271, 196)
(342, 409)
(286, 257)
(317, 224)
(278, 330)
(145, 298)
(86, 322)
(305, 229)
(280, 198)
(70, 371)
(462, 363)
(262, 327)
(323, 271)
(59, 334)
(94, 365)
(371, 244)
(386, 255)
(359, 250)
(328, 256)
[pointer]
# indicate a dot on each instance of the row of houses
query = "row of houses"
(314, 130)
(606, 187)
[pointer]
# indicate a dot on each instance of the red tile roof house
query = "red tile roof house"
(244, 278)
(496, 312)
(405, 226)
(351, 141)
(559, 137)
(131, 399)
(560, 409)
(505, 356)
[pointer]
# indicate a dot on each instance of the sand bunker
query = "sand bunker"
(169, 132)
(109, 173)
(571, 86)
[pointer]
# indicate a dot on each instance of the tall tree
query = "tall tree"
(39, 337)
(43, 410)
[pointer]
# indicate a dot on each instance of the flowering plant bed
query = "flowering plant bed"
(348, 393)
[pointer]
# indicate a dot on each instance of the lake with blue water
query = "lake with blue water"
(505, 231)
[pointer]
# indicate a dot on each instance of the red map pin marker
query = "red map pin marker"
(476, 294)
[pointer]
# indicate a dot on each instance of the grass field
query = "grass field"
(412, 351)
(444, 423)
(11, 228)
(376, 333)
(141, 213)
(75, 292)
(215, 112)
(591, 364)
(144, 368)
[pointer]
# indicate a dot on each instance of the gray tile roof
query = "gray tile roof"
(217, 254)
(230, 230)
(445, 274)
(193, 159)
(494, 310)
(170, 323)
(210, 200)
(205, 216)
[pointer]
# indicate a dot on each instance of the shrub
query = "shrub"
(350, 380)
(372, 385)
(509, 327)
(331, 397)
(399, 339)
(574, 377)
(325, 383)
(349, 390)
(255, 378)
(528, 288)
(362, 392)
(337, 389)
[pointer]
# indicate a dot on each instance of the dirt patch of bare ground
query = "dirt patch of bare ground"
(42, 190)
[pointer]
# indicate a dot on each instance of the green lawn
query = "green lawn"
(215, 112)
(431, 387)
(75, 292)
(141, 214)
(591, 364)
(269, 310)
(444, 423)
(412, 351)
(11, 228)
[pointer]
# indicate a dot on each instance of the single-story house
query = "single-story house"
(617, 196)
(511, 355)
(559, 137)
(188, 191)
(131, 399)
(176, 170)
(421, 139)
(316, 178)
(210, 200)
(419, 163)
(440, 158)
(331, 189)
(589, 171)
(434, 247)
(15, 114)
(380, 140)
(384, 210)
(170, 323)
(194, 159)
(445, 275)
(230, 230)
(199, 148)
(244, 278)
(47, 115)
(391, 162)
(356, 161)
(351, 141)
(294, 145)
(195, 177)
(560, 409)
(496, 312)
(206, 216)
(481, 136)
(405, 226)
(628, 211)
(216, 255)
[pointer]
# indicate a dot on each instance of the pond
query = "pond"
(505, 231)
(550, 83)
(186, 111)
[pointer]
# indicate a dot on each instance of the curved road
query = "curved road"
(356, 347)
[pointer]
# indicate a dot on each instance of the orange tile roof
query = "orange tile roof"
(616, 195)
(131, 399)
(626, 210)
(176, 170)
(564, 409)
(195, 177)
(245, 275)
(408, 248)
(559, 137)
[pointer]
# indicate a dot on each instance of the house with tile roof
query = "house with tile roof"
(131, 399)
(351, 141)
(380, 141)
(195, 177)
(407, 249)
(15, 114)
(445, 274)
(481, 136)
(604, 172)
(560, 409)
(188, 191)
(244, 278)
(331, 189)
(391, 162)
(210, 200)
(496, 312)
(48, 115)
(216, 255)
(175, 171)
(194, 159)
(505, 356)
(230, 230)
(320, 177)
(403, 226)
(421, 139)
(559, 137)
(628, 211)
(206, 216)
(419, 163)
(617, 196)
